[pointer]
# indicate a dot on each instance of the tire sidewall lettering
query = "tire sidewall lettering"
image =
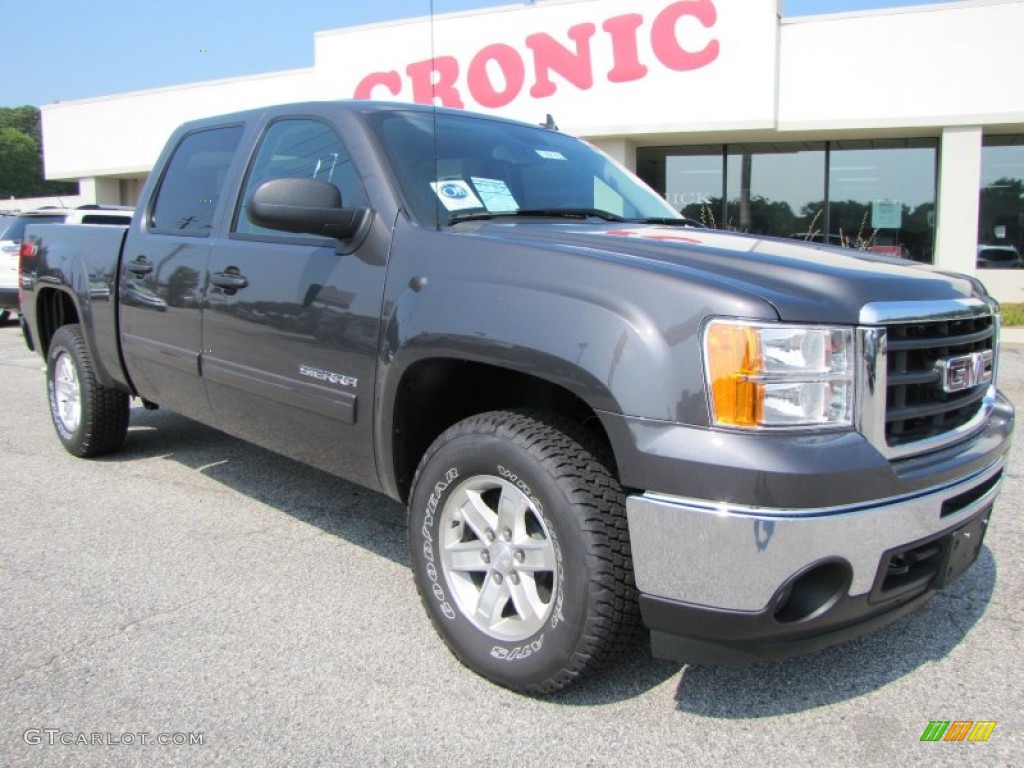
(427, 533)
(503, 653)
(531, 655)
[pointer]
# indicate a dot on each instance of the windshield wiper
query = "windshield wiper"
(558, 213)
(572, 213)
(455, 218)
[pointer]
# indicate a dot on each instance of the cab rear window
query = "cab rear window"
(99, 218)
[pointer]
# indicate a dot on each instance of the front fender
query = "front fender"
(619, 332)
(589, 344)
(615, 331)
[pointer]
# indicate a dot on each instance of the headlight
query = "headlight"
(771, 376)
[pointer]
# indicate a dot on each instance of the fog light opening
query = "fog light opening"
(812, 593)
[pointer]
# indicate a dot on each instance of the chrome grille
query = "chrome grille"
(918, 407)
(916, 392)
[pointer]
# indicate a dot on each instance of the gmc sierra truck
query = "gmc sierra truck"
(599, 417)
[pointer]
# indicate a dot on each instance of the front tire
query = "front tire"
(90, 419)
(520, 550)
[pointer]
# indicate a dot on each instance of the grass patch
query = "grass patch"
(1013, 314)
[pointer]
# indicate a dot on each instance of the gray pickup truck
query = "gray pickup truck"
(600, 417)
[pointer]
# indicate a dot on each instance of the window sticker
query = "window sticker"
(456, 195)
(550, 154)
(495, 194)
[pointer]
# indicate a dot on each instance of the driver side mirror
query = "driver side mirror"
(305, 206)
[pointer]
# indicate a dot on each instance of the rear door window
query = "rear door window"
(193, 183)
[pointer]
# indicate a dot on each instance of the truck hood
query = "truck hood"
(804, 282)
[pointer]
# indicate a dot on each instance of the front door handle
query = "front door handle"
(229, 278)
(140, 266)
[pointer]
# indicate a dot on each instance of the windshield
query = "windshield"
(488, 167)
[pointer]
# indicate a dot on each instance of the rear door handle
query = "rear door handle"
(229, 278)
(140, 267)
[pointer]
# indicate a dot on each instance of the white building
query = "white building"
(899, 130)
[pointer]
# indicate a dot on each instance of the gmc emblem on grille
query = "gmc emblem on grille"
(965, 371)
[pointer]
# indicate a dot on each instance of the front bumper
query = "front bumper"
(725, 583)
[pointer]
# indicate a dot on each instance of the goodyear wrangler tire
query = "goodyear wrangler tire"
(90, 419)
(520, 550)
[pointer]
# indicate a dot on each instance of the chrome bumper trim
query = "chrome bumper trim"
(736, 558)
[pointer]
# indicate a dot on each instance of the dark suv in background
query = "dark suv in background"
(998, 257)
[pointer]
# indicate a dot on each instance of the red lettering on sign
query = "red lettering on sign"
(622, 30)
(390, 80)
(550, 55)
(496, 75)
(435, 79)
(512, 69)
(666, 43)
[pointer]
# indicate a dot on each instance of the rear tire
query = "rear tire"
(520, 550)
(90, 419)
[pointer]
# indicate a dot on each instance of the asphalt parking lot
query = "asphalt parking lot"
(197, 588)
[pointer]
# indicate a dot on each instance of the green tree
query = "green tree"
(759, 215)
(25, 119)
(21, 156)
(19, 163)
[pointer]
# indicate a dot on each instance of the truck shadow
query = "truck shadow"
(818, 679)
(846, 671)
(358, 515)
(375, 523)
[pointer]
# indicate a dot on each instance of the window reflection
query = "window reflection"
(1001, 203)
(694, 184)
(882, 196)
(776, 189)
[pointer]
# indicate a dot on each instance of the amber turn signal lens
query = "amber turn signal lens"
(734, 356)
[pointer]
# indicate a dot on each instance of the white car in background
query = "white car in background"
(12, 230)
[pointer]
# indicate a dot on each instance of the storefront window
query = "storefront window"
(873, 195)
(1001, 208)
(882, 196)
(776, 189)
(693, 183)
